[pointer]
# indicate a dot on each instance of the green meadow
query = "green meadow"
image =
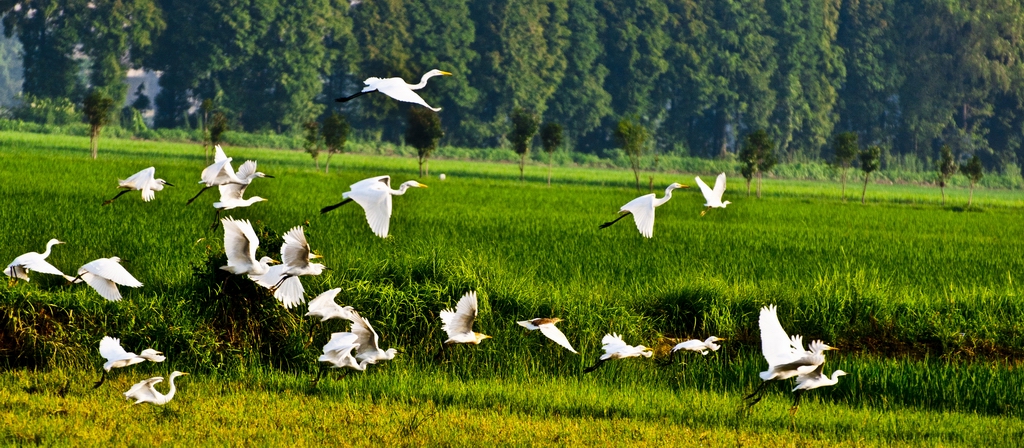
(923, 301)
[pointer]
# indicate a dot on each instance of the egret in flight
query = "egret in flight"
(231, 197)
(642, 209)
(323, 306)
(398, 89)
(368, 341)
(696, 345)
(813, 380)
(240, 244)
(117, 357)
(143, 180)
(219, 173)
(615, 348)
(547, 328)
(785, 355)
(458, 323)
(104, 275)
(374, 196)
(338, 352)
(713, 198)
(33, 261)
(283, 279)
(144, 392)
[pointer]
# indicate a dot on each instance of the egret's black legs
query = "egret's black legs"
(115, 197)
(216, 220)
(100, 382)
(197, 195)
(607, 224)
(756, 396)
(705, 211)
(796, 402)
(273, 290)
(348, 98)
(332, 207)
(319, 375)
(595, 366)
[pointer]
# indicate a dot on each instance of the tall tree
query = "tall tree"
(844, 149)
(632, 138)
(382, 30)
(335, 132)
(96, 107)
(550, 139)
(869, 163)
(974, 172)
(423, 133)
(868, 99)
(758, 153)
(947, 168)
(635, 42)
(49, 32)
(312, 141)
(524, 127)
(117, 35)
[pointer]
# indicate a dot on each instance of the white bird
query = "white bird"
(369, 350)
(458, 323)
(547, 328)
(615, 348)
(144, 392)
(642, 209)
(338, 352)
(33, 261)
(323, 306)
(231, 197)
(713, 198)
(442, 176)
(240, 244)
(813, 380)
(143, 180)
(219, 173)
(103, 275)
(283, 279)
(785, 355)
(117, 357)
(696, 345)
(398, 89)
(374, 196)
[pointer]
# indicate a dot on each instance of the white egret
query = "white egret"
(104, 275)
(547, 328)
(220, 173)
(240, 244)
(143, 180)
(144, 392)
(813, 380)
(374, 196)
(713, 198)
(615, 348)
(785, 355)
(338, 352)
(231, 197)
(323, 306)
(369, 350)
(117, 357)
(398, 89)
(33, 262)
(642, 209)
(442, 176)
(283, 279)
(458, 323)
(696, 345)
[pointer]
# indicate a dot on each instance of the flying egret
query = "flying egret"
(458, 323)
(104, 275)
(323, 306)
(442, 176)
(696, 345)
(369, 350)
(642, 209)
(283, 279)
(219, 173)
(117, 357)
(240, 244)
(374, 196)
(144, 392)
(338, 352)
(33, 261)
(398, 89)
(547, 328)
(813, 380)
(713, 198)
(785, 355)
(615, 348)
(143, 180)
(231, 197)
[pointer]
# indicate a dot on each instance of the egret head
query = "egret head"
(724, 203)
(677, 185)
(268, 260)
(413, 184)
(837, 374)
(715, 339)
(54, 241)
(480, 337)
(259, 174)
(256, 199)
(164, 182)
(176, 374)
(436, 72)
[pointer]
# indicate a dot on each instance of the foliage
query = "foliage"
(335, 131)
(631, 137)
(218, 126)
(844, 150)
(524, 126)
(312, 141)
(947, 168)
(56, 111)
(96, 107)
(550, 140)
(974, 172)
(423, 133)
(758, 154)
(870, 158)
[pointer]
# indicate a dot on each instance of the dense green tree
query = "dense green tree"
(758, 154)
(551, 140)
(974, 172)
(11, 70)
(635, 42)
(632, 138)
(423, 133)
(382, 30)
(49, 31)
(218, 126)
(869, 163)
(96, 107)
(335, 131)
(844, 150)
(747, 171)
(868, 101)
(312, 141)
(524, 127)
(117, 35)
(946, 168)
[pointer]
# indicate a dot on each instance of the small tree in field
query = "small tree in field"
(974, 172)
(758, 154)
(845, 147)
(748, 173)
(631, 137)
(206, 107)
(218, 126)
(550, 139)
(947, 169)
(423, 133)
(97, 108)
(869, 162)
(524, 127)
(335, 132)
(312, 141)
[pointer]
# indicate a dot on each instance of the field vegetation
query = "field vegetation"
(923, 300)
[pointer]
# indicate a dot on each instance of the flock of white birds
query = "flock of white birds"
(360, 347)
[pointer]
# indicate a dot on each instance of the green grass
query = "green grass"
(922, 299)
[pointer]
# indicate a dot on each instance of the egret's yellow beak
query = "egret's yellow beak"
(832, 348)
(314, 256)
(420, 185)
(445, 73)
(184, 373)
(684, 186)
(722, 339)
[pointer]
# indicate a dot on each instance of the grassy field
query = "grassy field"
(922, 299)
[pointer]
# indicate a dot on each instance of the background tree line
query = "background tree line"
(907, 76)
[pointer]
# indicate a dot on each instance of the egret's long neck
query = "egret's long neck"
(170, 393)
(712, 345)
(664, 199)
(423, 81)
(400, 191)
(49, 246)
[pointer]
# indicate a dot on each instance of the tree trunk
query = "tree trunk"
(865, 191)
(522, 164)
(316, 160)
(93, 137)
(748, 188)
(651, 184)
(970, 196)
(759, 184)
(327, 164)
(549, 167)
(421, 165)
(723, 150)
(942, 189)
(843, 195)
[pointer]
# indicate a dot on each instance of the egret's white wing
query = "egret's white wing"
(642, 209)
(612, 343)
(776, 345)
(240, 243)
(152, 355)
(719, 186)
(367, 338)
(340, 341)
(376, 202)
(290, 293)
(401, 92)
(140, 179)
(324, 306)
(553, 333)
(218, 154)
(38, 264)
(111, 269)
(218, 173)
(461, 320)
(143, 390)
(366, 183)
(229, 192)
(270, 278)
(295, 250)
(709, 194)
(111, 350)
(18, 271)
(691, 345)
(247, 171)
(104, 287)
